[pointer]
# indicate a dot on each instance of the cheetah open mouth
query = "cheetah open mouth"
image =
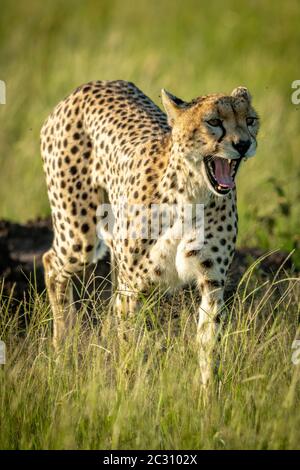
(221, 173)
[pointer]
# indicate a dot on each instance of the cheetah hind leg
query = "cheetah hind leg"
(60, 293)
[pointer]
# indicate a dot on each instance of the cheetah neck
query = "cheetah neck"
(183, 180)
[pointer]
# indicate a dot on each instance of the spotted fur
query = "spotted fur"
(107, 141)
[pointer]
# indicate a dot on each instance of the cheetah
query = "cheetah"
(107, 142)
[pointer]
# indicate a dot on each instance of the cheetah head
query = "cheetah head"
(214, 133)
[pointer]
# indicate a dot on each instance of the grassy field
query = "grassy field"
(145, 394)
(102, 392)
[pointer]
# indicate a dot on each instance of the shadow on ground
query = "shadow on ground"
(22, 247)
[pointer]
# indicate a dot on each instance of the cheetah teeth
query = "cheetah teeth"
(233, 166)
(210, 166)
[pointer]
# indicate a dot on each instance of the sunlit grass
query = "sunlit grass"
(103, 392)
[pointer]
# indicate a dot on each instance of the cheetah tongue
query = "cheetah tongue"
(223, 173)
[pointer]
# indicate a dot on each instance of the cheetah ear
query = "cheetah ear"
(173, 105)
(242, 92)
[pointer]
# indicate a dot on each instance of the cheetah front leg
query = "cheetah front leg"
(126, 302)
(195, 264)
(211, 307)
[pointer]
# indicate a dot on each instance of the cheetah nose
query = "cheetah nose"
(241, 146)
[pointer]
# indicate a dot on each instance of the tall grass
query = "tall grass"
(104, 392)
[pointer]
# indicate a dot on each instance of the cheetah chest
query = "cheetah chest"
(173, 257)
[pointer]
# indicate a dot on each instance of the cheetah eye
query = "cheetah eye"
(250, 121)
(215, 122)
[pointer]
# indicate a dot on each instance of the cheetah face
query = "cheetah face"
(214, 133)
